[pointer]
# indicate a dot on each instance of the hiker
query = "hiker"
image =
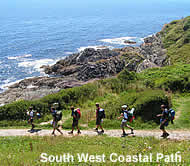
(100, 114)
(56, 118)
(164, 120)
(124, 115)
(30, 112)
(76, 116)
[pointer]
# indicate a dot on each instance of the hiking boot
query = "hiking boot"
(166, 135)
(79, 132)
(96, 129)
(71, 132)
(124, 134)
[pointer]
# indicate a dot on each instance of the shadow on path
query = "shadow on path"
(34, 130)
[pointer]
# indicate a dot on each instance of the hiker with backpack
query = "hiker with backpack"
(30, 113)
(76, 114)
(125, 117)
(57, 116)
(100, 115)
(164, 121)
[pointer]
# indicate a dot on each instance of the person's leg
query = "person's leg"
(101, 128)
(101, 121)
(54, 127)
(73, 127)
(162, 128)
(130, 128)
(77, 126)
(97, 124)
(59, 131)
(79, 132)
(57, 128)
(123, 127)
(31, 122)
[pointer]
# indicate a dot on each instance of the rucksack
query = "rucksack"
(171, 115)
(130, 115)
(101, 113)
(78, 114)
(58, 115)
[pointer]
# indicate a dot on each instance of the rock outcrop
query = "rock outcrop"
(88, 65)
(152, 50)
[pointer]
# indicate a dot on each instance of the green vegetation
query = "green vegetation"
(176, 39)
(145, 91)
(181, 103)
(27, 150)
(175, 78)
(110, 93)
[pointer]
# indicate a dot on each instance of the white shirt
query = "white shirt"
(125, 116)
(31, 114)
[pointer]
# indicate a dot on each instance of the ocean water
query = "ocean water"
(35, 33)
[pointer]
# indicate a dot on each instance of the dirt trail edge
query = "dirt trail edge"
(174, 135)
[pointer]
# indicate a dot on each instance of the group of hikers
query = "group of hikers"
(127, 115)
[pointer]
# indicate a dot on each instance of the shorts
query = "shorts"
(162, 126)
(75, 123)
(30, 121)
(55, 124)
(123, 124)
(99, 121)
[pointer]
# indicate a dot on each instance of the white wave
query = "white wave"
(68, 53)
(119, 41)
(37, 64)
(19, 57)
(7, 83)
(95, 47)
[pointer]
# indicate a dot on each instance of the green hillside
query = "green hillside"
(145, 91)
(176, 39)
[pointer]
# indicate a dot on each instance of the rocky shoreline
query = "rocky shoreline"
(87, 66)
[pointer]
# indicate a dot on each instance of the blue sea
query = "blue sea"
(40, 32)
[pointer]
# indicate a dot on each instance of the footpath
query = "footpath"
(174, 134)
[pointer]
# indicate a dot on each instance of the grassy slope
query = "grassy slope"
(176, 39)
(182, 105)
(19, 151)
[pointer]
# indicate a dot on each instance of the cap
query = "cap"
(124, 106)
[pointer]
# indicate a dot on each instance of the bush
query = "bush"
(146, 103)
(174, 78)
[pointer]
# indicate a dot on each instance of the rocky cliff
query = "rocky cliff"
(89, 65)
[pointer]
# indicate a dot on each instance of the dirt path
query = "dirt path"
(175, 135)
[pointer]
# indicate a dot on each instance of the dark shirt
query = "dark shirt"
(54, 115)
(165, 114)
(74, 112)
(100, 113)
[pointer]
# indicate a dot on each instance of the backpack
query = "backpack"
(101, 113)
(38, 115)
(171, 115)
(130, 115)
(58, 115)
(78, 114)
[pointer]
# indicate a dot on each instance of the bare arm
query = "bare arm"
(120, 116)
